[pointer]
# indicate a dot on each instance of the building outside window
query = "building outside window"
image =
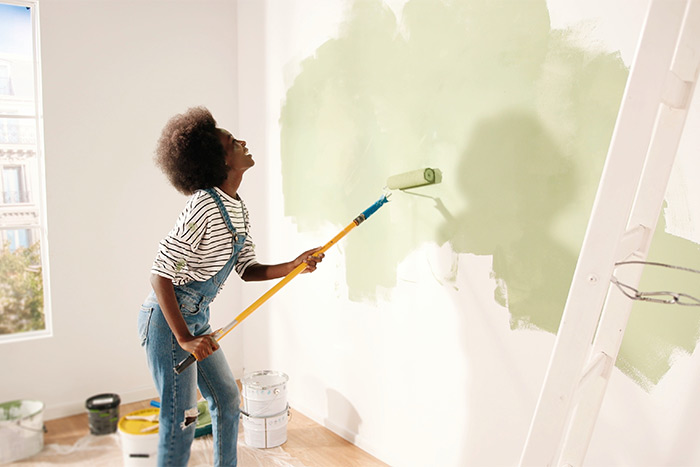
(23, 247)
(14, 185)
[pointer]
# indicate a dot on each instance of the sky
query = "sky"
(15, 30)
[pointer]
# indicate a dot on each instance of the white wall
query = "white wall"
(432, 374)
(114, 71)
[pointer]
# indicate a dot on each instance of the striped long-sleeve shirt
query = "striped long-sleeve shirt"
(200, 244)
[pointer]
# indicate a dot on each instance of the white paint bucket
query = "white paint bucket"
(21, 429)
(264, 393)
(139, 437)
(265, 432)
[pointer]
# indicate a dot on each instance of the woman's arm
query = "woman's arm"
(201, 346)
(263, 272)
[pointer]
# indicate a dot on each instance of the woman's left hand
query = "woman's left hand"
(310, 259)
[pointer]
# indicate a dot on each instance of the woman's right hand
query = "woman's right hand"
(200, 346)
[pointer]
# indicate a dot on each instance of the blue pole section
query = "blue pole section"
(371, 210)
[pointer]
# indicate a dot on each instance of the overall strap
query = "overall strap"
(212, 192)
(201, 293)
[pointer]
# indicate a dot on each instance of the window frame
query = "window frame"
(38, 196)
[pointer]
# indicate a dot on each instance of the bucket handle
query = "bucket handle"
(287, 409)
(30, 428)
(276, 391)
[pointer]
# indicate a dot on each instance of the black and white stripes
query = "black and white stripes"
(200, 244)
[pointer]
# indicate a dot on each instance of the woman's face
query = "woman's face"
(237, 156)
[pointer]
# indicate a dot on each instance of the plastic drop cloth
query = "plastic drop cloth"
(105, 451)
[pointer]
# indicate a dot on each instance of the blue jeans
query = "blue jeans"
(178, 393)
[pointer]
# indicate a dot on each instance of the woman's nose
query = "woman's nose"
(241, 142)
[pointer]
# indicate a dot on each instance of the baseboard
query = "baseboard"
(78, 407)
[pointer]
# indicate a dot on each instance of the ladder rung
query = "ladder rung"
(687, 57)
(676, 93)
(633, 240)
(595, 369)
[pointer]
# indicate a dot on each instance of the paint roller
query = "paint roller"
(413, 179)
(418, 178)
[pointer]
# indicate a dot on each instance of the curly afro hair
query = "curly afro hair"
(190, 152)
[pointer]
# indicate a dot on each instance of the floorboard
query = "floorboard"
(307, 441)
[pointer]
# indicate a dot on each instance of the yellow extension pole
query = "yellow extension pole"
(285, 280)
(218, 335)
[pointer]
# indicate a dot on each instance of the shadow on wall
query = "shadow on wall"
(342, 415)
(516, 181)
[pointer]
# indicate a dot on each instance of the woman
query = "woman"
(209, 240)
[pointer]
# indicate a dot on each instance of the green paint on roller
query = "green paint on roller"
(413, 179)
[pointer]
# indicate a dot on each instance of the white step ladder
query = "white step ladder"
(626, 209)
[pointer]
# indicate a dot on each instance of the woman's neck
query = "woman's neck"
(231, 184)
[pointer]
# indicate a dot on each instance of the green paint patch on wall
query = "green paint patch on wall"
(657, 334)
(518, 117)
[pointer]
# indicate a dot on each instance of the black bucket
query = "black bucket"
(103, 413)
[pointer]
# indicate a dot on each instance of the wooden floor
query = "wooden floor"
(307, 441)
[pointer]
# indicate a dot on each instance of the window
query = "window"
(18, 238)
(14, 190)
(5, 78)
(23, 247)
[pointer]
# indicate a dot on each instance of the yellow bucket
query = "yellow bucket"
(138, 432)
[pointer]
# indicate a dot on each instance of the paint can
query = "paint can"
(103, 413)
(264, 393)
(265, 410)
(21, 429)
(266, 431)
(138, 436)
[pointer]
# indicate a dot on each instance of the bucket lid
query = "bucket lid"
(264, 379)
(102, 402)
(138, 426)
(19, 409)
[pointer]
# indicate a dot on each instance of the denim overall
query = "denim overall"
(178, 393)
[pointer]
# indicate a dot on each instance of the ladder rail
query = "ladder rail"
(646, 211)
(622, 176)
